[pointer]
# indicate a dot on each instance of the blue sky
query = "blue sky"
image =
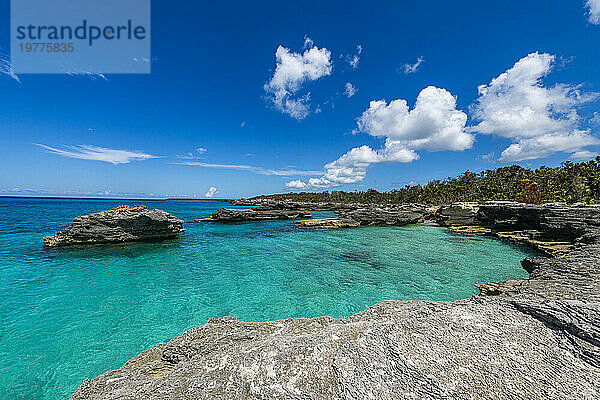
(217, 86)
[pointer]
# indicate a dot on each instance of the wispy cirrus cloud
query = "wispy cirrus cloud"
(354, 59)
(191, 156)
(349, 90)
(412, 68)
(104, 193)
(91, 75)
(6, 68)
(251, 168)
(96, 153)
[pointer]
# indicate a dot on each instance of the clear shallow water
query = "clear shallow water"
(72, 313)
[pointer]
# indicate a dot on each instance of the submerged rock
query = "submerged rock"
(122, 224)
(251, 214)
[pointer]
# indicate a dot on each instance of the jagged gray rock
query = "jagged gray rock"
(380, 216)
(266, 205)
(327, 223)
(556, 220)
(251, 214)
(458, 214)
(122, 224)
(372, 216)
(551, 228)
(538, 339)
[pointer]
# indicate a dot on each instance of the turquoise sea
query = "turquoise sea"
(72, 313)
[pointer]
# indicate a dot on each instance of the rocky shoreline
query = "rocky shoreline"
(529, 339)
(251, 214)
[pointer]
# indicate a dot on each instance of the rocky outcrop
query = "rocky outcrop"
(550, 228)
(533, 339)
(327, 223)
(458, 214)
(266, 204)
(496, 288)
(252, 214)
(537, 240)
(394, 350)
(555, 220)
(122, 224)
(373, 216)
(380, 216)
(282, 205)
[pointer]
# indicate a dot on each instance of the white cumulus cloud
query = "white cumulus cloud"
(545, 145)
(349, 89)
(434, 124)
(540, 120)
(89, 152)
(352, 166)
(211, 192)
(291, 72)
(593, 7)
(297, 184)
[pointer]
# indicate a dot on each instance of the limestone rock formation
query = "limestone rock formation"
(327, 223)
(380, 216)
(458, 214)
(533, 339)
(251, 214)
(122, 224)
(497, 288)
(266, 205)
(372, 216)
(550, 228)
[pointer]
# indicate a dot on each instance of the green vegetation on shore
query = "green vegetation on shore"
(570, 182)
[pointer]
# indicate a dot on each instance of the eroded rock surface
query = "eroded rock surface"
(373, 216)
(266, 205)
(327, 223)
(122, 224)
(550, 228)
(532, 339)
(251, 214)
(380, 216)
